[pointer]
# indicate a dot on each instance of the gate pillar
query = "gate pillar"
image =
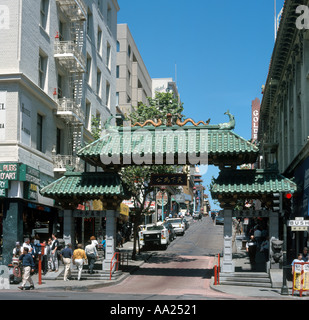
(227, 264)
(110, 239)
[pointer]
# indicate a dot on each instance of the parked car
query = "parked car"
(171, 230)
(197, 215)
(219, 219)
(154, 235)
(178, 225)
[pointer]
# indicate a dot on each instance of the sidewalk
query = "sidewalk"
(242, 264)
(50, 281)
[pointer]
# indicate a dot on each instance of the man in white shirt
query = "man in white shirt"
(26, 244)
(92, 254)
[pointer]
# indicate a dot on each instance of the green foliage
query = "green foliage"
(96, 127)
(158, 108)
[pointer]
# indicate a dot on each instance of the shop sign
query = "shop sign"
(19, 172)
(8, 171)
(177, 179)
(124, 209)
(31, 191)
(29, 174)
(88, 214)
(4, 184)
(2, 193)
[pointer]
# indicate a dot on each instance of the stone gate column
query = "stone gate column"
(227, 263)
(111, 216)
(69, 227)
(12, 228)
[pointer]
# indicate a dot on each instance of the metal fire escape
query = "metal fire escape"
(70, 58)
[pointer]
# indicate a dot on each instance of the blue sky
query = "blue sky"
(221, 49)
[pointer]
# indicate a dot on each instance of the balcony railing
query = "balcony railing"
(74, 9)
(69, 108)
(62, 162)
(70, 56)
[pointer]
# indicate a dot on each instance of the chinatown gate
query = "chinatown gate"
(166, 142)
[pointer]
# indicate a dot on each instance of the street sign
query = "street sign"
(173, 179)
(298, 222)
(159, 197)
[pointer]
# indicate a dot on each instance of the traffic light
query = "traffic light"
(277, 201)
(288, 204)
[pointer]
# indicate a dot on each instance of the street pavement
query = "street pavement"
(51, 283)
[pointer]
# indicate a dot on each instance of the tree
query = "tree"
(158, 108)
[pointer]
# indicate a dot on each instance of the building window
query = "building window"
(108, 56)
(99, 40)
(117, 72)
(42, 70)
(39, 133)
(117, 99)
(118, 46)
(89, 24)
(108, 87)
(129, 51)
(44, 13)
(87, 78)
(88, 112)
(99, 76)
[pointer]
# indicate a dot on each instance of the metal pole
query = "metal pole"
(162, 207)
(284, 288)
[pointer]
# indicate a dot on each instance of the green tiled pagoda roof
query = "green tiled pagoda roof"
(250, 183)
(90, 185)
(221, 145)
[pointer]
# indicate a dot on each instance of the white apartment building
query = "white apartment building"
(165, 85)
(57, 70)
(134, 83)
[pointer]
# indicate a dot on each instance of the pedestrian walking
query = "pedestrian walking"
(28, 267)
(92, 255)
(251, 249)
(54, 253)
(119, 239)
(67, 254)
(79, 257)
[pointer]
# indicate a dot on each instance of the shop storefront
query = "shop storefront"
(23, 211)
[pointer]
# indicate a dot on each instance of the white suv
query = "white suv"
(178, 225)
